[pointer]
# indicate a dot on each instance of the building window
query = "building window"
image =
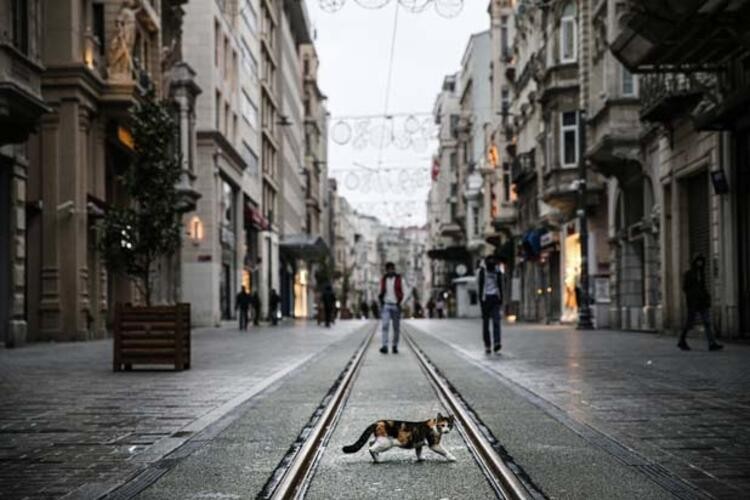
(475, 215)
(20, 19)
(226, 56)
(249, 111)
(628, 83)
(98, 26)
(250, 158)
(569, 139)
(217, 106)
(248, 61)
(250, 17)
(226, 119)
(505, 101)
(568, 35)
(217, 43)
(506, 181)
(504, 45)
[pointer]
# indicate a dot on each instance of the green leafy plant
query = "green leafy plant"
(137, 235)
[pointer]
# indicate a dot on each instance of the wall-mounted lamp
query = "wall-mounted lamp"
(196, 230)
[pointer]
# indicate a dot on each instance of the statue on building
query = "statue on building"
(120, 57)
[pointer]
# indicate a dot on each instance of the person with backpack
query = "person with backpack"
(391, 297)
(490, 288)
(698, 303)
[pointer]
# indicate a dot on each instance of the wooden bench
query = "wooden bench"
(156, 335)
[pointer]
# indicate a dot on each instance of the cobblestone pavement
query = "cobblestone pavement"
(685, 411)
(69, 425)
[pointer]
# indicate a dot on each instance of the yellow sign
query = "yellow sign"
(125, 137)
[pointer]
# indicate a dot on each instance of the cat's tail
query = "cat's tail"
(353, 448)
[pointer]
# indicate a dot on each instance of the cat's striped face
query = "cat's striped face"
(444, 425)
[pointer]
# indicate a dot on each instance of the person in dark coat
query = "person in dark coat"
(242, 304)
(698, 303)
(255, 304)
(273, 306)
(329, 304)
(364, 309)
(431, 308)
(489, 286)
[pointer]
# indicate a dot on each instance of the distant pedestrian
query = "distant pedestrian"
(431, 308)
(273, 307)
(255, 304)
(242, 304)
(489, 285)
(329, 304)
(364, 309)
(698, 303)
(391, 297)
(375, 308)
(440, 307)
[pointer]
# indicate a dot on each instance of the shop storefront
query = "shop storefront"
(571, 268)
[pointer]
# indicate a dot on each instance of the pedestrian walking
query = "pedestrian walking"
(242, 304)
(440, 307)
(431, 308)
(329, 304)
(391, 297)
(698, 303)
(490, 289)
(273, 306)
(364, 309)
(375, 308)
(255, 304)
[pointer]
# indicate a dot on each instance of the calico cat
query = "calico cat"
(390, 433)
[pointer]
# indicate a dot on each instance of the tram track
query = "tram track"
(297, 469)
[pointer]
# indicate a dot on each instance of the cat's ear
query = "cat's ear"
(440, 416)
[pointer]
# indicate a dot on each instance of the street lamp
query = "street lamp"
(584, 308)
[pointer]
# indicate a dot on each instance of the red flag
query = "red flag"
(435, 168)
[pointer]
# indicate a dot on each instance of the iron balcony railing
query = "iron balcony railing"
(665, 96)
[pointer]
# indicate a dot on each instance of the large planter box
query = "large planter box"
(155, 335)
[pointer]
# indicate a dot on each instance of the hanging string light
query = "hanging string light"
(405, 132)
(444, 8)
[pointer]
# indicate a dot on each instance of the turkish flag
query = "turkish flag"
(435, 168)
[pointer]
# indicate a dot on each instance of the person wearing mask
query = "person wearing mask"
(489, 286)
(242, 304)
(698, 303)
(392, 297)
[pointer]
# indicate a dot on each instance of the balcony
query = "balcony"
(666, 96)
(667, 33)
(21, 102)
(560, 189)
(506, 217)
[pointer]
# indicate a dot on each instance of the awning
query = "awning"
(255, 218)
(303, 247)
(531, 242)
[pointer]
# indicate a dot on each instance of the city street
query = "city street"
(595, 414)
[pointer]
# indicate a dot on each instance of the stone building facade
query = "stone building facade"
(98, 57)
(694, 106)
(21, 106)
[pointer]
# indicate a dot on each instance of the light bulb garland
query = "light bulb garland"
(444, 8)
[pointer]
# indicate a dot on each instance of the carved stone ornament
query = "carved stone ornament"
(120, 53)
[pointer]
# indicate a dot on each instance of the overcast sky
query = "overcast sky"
(354, 49)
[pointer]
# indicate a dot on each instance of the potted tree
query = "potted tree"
(142, 233)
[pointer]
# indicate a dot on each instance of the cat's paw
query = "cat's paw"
(451, 458)
(374, 456)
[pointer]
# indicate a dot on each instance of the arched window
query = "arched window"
(568, 34)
